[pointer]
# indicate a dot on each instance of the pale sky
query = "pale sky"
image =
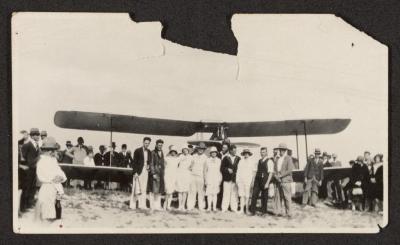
(287, 67)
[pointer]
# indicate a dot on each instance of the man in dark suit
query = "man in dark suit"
(140, 166)
(100, 158)
(112, 157)
(283, 180)
(265, 171)
(30, 152)
(313, 176)
(229, 166)
(125, 161)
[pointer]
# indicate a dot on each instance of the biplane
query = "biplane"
(220, 131)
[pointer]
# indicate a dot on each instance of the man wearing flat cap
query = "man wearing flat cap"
(283, 179)
(313, 176)
(30, 152)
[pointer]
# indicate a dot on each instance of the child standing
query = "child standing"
(213, 178)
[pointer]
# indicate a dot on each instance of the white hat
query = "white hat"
(213, 149)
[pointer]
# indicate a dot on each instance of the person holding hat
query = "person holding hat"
(283, 182)
(51, 176)
(184, 176)
(140, 168)
(196, 187)
(170, 177)
(30, 152)
(155, 183)
(213, 178)
(313, 176)
(244, 178)
(229, 166)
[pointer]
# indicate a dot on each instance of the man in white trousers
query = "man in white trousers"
(229, 166)
(196, 187)
(140, 166)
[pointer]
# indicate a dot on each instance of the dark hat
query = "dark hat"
(34, 131)
(102, 147)
(23, 131)
(43, 133)
(113, 145)
(50, 144)
(190, 146)
(317, 151)
(68, 143)
(282, 146)
(123, 146)
(246, 151)
(202, 145)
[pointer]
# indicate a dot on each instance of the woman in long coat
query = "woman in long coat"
(51, 176)
(155, 183)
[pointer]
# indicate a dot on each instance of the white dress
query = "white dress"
(213, 175)
(184, 174)
(170, 174)
(87, 161)
(47, 169)
(244, 176)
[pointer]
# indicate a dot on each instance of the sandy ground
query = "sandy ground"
(108, 209)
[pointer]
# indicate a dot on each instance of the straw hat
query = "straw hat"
(246, 151)
(213, 149)
(202, 145)
(49, 144)
(282, 146)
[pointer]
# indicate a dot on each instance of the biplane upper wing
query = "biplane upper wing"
(287, 127)
(155, 126)
(125, 124)
(331, 173)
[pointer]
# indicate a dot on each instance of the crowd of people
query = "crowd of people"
(201, 177)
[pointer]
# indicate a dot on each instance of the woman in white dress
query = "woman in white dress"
(244, 178)
(183, 177)
(213, 178)
(51, 176)
(88, 161)
(170, 176)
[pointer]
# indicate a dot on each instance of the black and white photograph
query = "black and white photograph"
(118, 130)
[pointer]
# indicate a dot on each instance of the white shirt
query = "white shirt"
(280, 162)
(145, 157)
(87, 161)
(199, 161)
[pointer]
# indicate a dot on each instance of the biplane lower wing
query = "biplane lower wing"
(156, 126)
(113, 174)
(331, 173)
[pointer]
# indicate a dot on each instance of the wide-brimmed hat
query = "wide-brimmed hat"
(317, 151)
(49, 144)
(246, 151)
(68, 143)
(202, 145)
(43, 133)
(173, 148)
(213, 149)
(34, 131)
(282, 146)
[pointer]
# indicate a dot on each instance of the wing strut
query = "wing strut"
(305, 138)
(297, 148)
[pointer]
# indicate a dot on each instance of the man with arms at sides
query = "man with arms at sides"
(283, 179)
(229, 166)
(263, 178)
(313, 176)
(140, 165)
(155, 183)
(100, 157)
(196, 187)
(30, 153)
